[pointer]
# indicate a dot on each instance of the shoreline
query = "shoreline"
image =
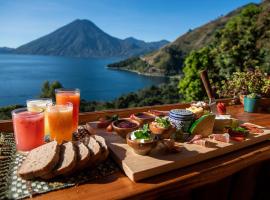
(139, 73)
(145, 74)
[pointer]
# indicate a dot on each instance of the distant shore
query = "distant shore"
(146, 74)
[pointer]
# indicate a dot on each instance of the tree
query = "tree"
(191, 86)
(48, 90)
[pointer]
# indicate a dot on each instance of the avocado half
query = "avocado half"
(203, 126)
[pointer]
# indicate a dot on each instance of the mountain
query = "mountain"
(6, 50)
(169, 59)
(82, 38)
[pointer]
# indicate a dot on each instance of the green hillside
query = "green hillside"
(169, 59)
(242, 45)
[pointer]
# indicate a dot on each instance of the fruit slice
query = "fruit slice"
(203, 126)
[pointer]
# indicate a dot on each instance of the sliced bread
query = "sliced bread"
(104, 149)
(40, 161)
(95, 150)
(67, 161)
(83, 155)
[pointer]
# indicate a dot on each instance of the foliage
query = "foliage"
(163, 122)
(253, 96)
(48, 90)
(143, 133)
(266, 88)
(190, 86)
(235, 48)
(5, 112)
(250, 82)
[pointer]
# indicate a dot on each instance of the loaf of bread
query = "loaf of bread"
(52, 160)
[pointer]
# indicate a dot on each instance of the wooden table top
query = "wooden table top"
(118, 186)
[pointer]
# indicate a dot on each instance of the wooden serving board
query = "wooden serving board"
(139, 167)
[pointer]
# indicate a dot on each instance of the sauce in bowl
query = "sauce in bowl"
(125, 124)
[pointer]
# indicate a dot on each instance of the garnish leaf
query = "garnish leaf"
(143, 133)
(163, 122)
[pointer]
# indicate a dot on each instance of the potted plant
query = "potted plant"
(251, 102)
(240, 84)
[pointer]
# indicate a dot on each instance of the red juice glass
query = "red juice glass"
(28, 128)
(64, 96)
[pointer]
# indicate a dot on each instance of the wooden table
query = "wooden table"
(240, 175)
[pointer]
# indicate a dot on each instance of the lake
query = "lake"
(22, 76)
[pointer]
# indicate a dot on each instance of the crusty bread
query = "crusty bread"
(67, 161)
(51, 160)
(95, 150)
(40, 161)
(104, 149)
(83, 155)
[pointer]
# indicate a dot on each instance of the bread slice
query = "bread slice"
(104, 149)
(95, 150)
(67, 161)
(40, 161)
(83, 156)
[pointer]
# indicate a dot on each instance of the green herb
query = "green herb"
(240, 129)
(143, 133)
(163, 122)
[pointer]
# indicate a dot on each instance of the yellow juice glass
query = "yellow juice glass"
(60, 119)
(34, 105)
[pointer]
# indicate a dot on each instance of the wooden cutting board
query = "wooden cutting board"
(138, 167)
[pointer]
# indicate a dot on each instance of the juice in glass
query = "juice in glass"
(28, 128)
(35, 104)
(64, 96)
(60, 122)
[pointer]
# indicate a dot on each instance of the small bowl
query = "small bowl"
(163, 133)
(139, 147)
(143, 117)
(123, 131)
(158, 113)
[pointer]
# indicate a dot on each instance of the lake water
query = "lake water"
(22, 76)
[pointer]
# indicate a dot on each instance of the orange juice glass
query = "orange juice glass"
(28, 128)
(63, 96)
(60, 122)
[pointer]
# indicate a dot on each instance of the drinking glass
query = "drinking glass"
(64, 96)
(28, 128)
(34, 104)
(60, 122)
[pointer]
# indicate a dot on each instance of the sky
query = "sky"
(22, 21)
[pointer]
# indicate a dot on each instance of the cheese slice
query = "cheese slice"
(203, 126)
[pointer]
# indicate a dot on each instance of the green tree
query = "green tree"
(48, 90)
(191, 86)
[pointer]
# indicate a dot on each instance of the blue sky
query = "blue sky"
(24, 20)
